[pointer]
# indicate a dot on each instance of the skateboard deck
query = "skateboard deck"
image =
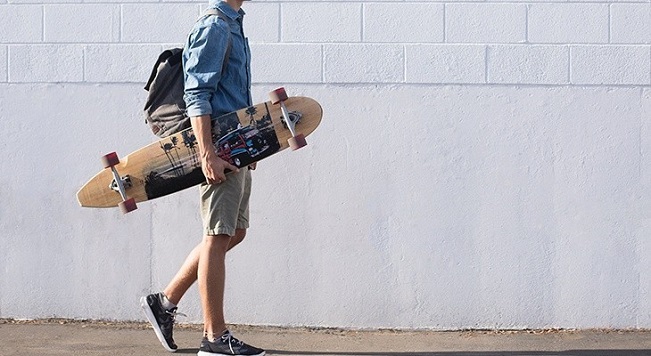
(172, 164)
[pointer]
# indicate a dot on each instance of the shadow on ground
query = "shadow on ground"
(474, 353)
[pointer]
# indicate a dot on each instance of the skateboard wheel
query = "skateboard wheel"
(297, 142)
(128, 206)
(110, 160)
(278, 95)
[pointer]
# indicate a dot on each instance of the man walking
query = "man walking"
(212, 89)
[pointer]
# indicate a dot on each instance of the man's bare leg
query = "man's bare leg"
(187, 274)
(211, 275)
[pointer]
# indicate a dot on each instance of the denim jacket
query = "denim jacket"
(208, 90)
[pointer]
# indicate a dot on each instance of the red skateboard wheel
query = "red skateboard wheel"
(128, 206)
(297, 142)
(278, 95)
(110, 160)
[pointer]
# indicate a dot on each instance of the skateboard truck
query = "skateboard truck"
(126, 183)
(279, 96)
(119, 184)
(294, 117)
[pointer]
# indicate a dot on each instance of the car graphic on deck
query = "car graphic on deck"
(241, 146)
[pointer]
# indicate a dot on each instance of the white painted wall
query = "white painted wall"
(479, 165)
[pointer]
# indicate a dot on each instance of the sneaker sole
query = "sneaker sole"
(205, 353)
(152, 320)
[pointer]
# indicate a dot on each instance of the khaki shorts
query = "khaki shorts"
(225, 206)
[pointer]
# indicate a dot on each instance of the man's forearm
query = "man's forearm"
(202, 127)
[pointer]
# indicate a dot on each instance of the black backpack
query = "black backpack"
(165, 108)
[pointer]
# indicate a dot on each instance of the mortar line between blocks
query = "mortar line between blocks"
(445, 29)
(7, 64)
(42, 23)
(569, 64)
(610, 23)
(121, 19)
(280, 23)
(486, 52)
(84, 49)
(363, 25)
(404, 61)
(323, 64)
(526, 23)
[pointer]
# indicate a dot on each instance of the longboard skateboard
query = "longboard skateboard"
(172, 164)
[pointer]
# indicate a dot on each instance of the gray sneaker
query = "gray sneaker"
(227, 344)
(160, 318)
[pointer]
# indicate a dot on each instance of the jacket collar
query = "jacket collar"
(226, 9)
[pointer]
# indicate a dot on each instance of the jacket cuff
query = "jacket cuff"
(199, 109)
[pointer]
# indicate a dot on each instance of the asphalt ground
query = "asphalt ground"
(67, 337)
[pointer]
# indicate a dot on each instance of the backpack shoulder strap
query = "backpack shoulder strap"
(221, 15)
(214, 11)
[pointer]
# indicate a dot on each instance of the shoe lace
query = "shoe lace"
(230, 339)
(172, 316)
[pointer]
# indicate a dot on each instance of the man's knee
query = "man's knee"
(240, 234)
(217, 242)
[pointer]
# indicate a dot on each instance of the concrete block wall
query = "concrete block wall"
(480, 164)
(434, 42)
